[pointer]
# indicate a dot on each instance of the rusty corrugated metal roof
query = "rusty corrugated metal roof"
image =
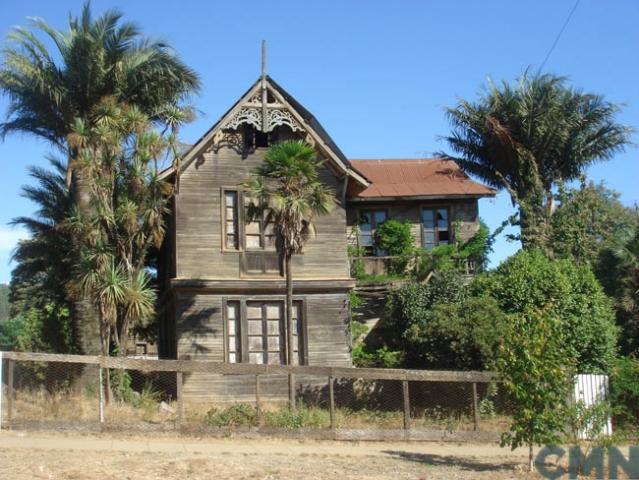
(424, 177)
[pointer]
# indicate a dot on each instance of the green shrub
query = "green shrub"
(529, 281)
(378, 358)
(624, 391)
(396, 239)
(300, 417)
(239, 415)
(10, 331)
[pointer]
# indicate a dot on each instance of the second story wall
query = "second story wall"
(200, 250)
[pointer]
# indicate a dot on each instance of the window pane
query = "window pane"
(232, 357)
(366, 239)
(253, 311)
(380, 217)
(429, 236)
(257, 358)
(274, 344)
(253, 228)
(231, 327)
(230, 228)
(269, 241)
(252, 241)
(231, 310)
(428, 218)
(365, 224)
(232, 343)
(273, 327)
(274, 358)
(255, 344)
(273, 311)
(229, 197)
(255, 327)
(444, 237)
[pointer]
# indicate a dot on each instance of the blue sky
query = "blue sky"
(378, 75)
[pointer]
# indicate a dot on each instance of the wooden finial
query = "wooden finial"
(264, 95)
(263, 59)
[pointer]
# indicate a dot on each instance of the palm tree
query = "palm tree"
(530, 137)
(44, 260)
(626, 278)
(92, 60)
(286, 189)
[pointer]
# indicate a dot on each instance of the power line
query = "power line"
(559, 35)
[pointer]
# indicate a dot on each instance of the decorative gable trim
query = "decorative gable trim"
(250, 110)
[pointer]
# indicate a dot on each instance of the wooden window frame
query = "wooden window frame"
(302, 347)
(449, 211)
(239, 220)
(360, 211)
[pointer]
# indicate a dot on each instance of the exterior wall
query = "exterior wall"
(199, 227)
(465, 211)
(200, 336)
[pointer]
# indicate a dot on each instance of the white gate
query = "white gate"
(591, 390)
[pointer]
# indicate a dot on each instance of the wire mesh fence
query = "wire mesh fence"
(83, 393)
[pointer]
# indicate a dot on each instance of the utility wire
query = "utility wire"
(559, 35)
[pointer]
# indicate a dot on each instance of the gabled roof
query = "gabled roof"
(415, 178)
(300, 114)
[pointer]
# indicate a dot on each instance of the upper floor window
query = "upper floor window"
(231, 220)
(369, 220)
(435, 227)
(258, 233)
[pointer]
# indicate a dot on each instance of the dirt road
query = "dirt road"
(77, 457)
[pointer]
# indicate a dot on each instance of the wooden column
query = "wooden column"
(331, 400)
(291, 390)
(179, 383)
(406, 398)
(258, 406)
(475, 408)
(10, 391)
(100, 395)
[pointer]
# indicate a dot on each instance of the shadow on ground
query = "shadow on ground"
(451, 461)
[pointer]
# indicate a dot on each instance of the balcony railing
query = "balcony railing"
(383, 265)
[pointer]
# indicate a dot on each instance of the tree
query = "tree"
(94, 59)
(530, 281)
(622, 274)
(536, 371)
(587, 222)
(530, 137)
(44, 260)
(287, 191)
(118, 159)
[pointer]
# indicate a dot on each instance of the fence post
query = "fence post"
(331, 400)
(258, 407)
(179, 383)
(406, 398)
(475, 408)
(0, 389)
(100, 395)
(291, 390)
(10, 393)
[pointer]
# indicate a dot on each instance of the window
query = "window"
(260, 336)
(369, 220)
(258, 234)
(230, 226)
(435, 227)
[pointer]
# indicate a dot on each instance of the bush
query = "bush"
(395, 237)
(364, 357)
(300, 417)
(238, 415)
(624, 391)
(529, 281)
(10, 331)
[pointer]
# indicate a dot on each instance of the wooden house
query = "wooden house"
(220, 276)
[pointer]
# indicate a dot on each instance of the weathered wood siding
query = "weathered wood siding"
(466, 211)
(199, 226)
(200, 336)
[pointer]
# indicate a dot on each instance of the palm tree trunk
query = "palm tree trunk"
(85, 315)
(289, 326)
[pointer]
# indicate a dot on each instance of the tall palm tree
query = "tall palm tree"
(95, 58)
(44, 260)
(286, 189)
(529, 137)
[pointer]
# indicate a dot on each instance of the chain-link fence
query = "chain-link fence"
(69, 392)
